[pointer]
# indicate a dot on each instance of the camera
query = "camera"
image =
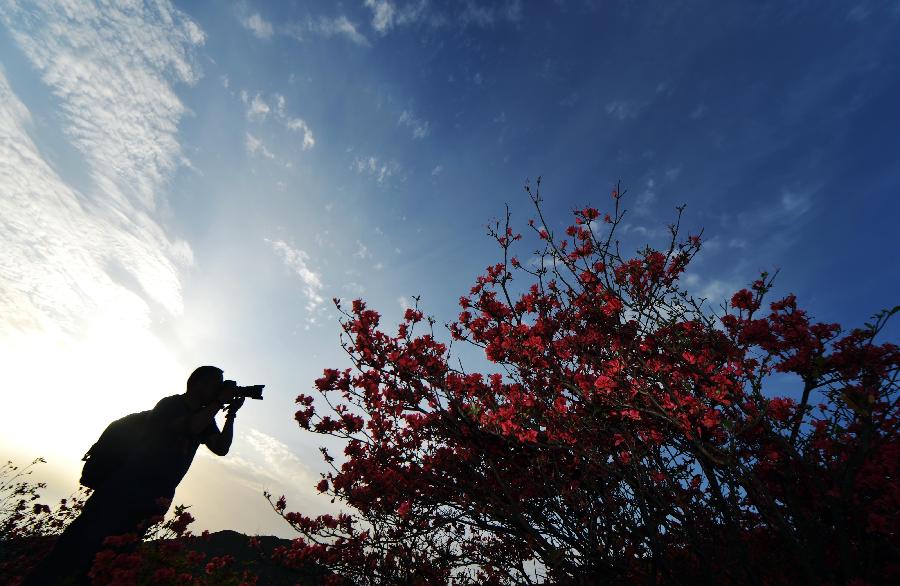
(238, 392)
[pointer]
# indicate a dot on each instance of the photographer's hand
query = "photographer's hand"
(233, 408)
(220, 443)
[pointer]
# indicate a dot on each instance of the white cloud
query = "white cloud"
(338, 26)
(794, 203)
(380, 170)
(85, 271)
(119, 109)
(120, 113)
(420, 128)
(622, 109)
(715, 291)
(255, 146)
(258, 26)
(299, 125)
(438, 169)
(699, 112)
(279, 460)
(297, 260)
(383, 12)
(386, 14)
(258, 109)
(362, 251)
(325, 26)
(646, 198)
(263, 462)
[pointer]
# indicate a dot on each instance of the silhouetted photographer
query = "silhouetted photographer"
(136, 465)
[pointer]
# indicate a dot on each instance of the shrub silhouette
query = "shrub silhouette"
(27, 525)
(628, 433)
(170, 554)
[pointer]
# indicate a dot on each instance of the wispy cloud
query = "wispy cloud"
(486, 14)
(362, 251)
(623, 109)
(121, 114)
(699, 112)
(257, 108)
(383, 12)
(386, 14)
(646, 197)
(420, 128)
(259, 26)
(298, 261)
(300, 125)
(263, 462)
(380, 170)
(255, 146)
(279, 463)
(86, 269)
(795, 203)
(339, 26)
(320, 26)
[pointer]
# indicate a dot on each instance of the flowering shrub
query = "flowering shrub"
(27, 525)
(165, 557)
(28, 529)
(628, 434)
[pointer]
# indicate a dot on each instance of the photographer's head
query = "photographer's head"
(203, 385)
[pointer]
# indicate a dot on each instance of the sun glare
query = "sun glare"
(61, 392)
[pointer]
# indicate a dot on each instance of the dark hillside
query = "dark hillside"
(237, 545)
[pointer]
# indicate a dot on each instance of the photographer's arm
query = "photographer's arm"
(220, 443)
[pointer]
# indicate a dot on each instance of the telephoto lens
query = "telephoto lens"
(238, 392)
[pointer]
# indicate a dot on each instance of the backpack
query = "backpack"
(113, 447)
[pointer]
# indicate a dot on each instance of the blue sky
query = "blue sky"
(191, 183)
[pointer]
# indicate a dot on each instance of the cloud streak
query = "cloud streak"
(420, 128)
(258, 110)
(298, 262)
(86, 271)
(255, 146)
(380, 170)
(110, 69)
(259, 26)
